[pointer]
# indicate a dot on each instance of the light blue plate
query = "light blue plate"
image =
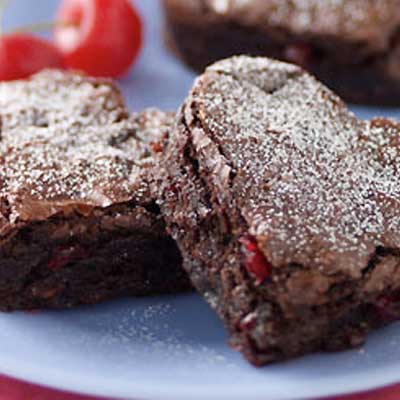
(173, 348)
(170, 348)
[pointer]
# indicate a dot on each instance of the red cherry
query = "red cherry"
(21, 55)
(100, 37)
(248, 322)
(255, 261)
(63, 255)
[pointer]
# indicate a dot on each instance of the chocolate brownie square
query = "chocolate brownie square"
(353, 46)
(78, 219)
(286, 208)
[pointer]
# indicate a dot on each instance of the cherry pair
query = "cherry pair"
(99, 37)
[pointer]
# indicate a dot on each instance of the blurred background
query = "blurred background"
(156, 80)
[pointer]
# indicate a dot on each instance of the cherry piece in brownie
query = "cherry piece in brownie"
(78, 220)
(353, 46)
(286, 208)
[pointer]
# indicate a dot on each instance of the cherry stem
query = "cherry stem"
(30, 28)
(40, 27)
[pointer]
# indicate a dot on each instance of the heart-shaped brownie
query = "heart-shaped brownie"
(286, 208)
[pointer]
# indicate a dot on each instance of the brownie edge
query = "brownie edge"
(78, 219)
(284, 206)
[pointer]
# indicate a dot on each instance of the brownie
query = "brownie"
(78, 219)
(59, 97)
(353, 46)
(286, 209)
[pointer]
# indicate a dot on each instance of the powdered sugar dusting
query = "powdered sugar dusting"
(84, 154)
(57, 97)
(316, 186)
(153, 328)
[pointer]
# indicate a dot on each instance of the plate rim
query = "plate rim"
(327, 387)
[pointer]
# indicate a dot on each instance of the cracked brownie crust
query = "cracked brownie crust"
(350, 45)
(286, 209)
(78, 219)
